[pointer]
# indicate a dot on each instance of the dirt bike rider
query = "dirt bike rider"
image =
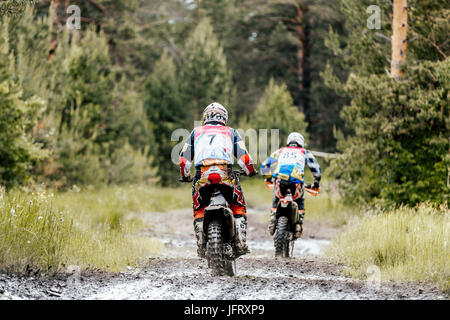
(289, 174)
(211, 147)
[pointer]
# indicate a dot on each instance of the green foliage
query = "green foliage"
(164, 110)
(360, 49)
(204, 75)
(111, 94)
(429, 28)
(399, 152)
(94, 124)
(175, 95)
(261, 41)
(33, 235)
(396, 149)
(17, 148)
(128, 165)
(90, 85)
(277, 111)
(97, 119)
(366, 52)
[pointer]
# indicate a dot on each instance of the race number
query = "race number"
(213, 143)
(292, 157)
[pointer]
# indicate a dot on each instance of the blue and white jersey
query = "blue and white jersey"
(288, 164)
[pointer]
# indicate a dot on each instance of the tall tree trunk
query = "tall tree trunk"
(307, 70)
(57, 14)
(399, 34)
(300, 54)
(58, 10)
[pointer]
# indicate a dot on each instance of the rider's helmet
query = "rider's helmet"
(215, 112)
(296, 138)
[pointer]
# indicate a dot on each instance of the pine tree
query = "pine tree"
(17, 148)
(91, 113)
(284, 40)
(396, 151)
(204, 74)
(276, 110)
(98, 115)
(165, 111)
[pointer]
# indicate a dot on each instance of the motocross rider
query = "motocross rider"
(285, 168)
(212, 147)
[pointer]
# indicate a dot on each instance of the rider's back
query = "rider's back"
(291, 164)
(213, 144)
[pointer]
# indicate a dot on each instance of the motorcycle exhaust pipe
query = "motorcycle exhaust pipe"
(228, 213)
(294, 212)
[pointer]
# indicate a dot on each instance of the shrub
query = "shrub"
(407, 244)
(399, 151)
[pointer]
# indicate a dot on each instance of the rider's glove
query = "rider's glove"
(185, 179)
(253, 173)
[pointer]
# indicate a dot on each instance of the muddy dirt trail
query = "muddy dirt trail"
(178, 274)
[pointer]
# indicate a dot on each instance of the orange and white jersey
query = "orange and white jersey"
(214, 144)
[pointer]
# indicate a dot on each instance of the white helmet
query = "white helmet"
(296, 137)
(215, 112)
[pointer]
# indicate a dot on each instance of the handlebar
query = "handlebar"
(308, 187)
(311, 190)
(242, 172)
(235, 173)
(185, 179)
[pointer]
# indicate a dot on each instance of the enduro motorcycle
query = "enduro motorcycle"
(286, 219)
(219, 230)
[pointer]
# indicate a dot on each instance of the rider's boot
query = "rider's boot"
(299, 225)
(198, 228)
(241, 237)
(273, 221)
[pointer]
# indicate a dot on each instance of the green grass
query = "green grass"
(110, 205)
(406, 244)
(42, 232)
(33, 235)
(329, 209)
(255, 193)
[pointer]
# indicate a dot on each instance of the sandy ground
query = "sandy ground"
(178, 274)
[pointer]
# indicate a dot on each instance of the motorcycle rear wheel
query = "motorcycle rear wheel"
(281, 241)
(219, 264)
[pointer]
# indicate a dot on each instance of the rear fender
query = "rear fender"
(290, 211)
(283, 212)
(225, 216)
(286, 200)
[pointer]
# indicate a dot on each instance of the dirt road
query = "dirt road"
(178, 274)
